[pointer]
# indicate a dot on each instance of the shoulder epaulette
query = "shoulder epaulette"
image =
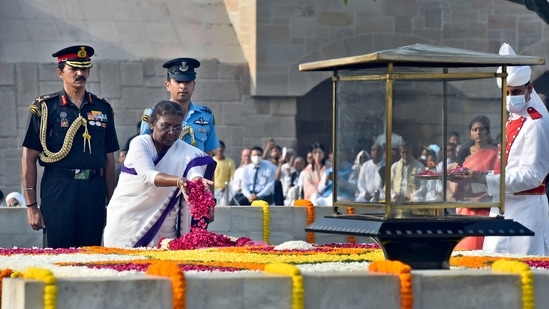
(206, 109)
(147, 115)
(45, 97)
(534, 114)
(35, 107)
(96, 97)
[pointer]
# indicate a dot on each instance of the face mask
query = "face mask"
(256, 160)
(423, 158)
(516, 103)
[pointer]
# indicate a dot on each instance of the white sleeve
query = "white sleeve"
(361, 182)
(140, 157)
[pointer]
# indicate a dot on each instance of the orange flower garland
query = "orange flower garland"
(298, 300)
(4, 274)
(526, 278)
(404, 273)
(266, 218)
(351, 211)
(171, 270)
(310, 216)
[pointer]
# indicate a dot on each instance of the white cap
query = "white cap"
(517, 75)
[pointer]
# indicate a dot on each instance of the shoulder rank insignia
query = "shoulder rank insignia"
(533, 113)
(201, 122)
(35, 107)
(91, 95)
(206, 109)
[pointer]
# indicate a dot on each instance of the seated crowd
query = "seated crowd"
(280, 176)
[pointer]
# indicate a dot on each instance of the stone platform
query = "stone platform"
(432, 289)
(15, 230)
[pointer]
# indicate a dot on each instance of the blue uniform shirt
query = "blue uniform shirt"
(201, 119)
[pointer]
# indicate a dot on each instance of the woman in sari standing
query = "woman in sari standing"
(314, 172)
(483, 158)
(146, 205)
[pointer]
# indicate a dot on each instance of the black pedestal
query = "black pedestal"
(421, 242)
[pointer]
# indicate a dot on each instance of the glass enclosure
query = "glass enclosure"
(425, 112)
(395, 114)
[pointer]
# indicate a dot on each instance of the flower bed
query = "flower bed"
(294, 259)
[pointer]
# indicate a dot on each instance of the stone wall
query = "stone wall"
(250, 51)
(131, 86)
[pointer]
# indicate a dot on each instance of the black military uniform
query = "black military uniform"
(73, 188)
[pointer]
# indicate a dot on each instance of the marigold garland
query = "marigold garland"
(5, 273)
(526, 278)
(266, 218)
(310, 217)
(351, 211)
(171, 270)
(298, 300)
(50, 288)
(404, 274)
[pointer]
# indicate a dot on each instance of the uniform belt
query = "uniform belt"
(540, 190)
(79, 174)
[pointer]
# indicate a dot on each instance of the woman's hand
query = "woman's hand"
(182, 185)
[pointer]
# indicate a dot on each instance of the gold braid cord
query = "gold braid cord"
(50, 157)
(188, 130)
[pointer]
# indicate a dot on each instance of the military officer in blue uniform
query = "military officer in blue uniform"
(72, 134)
(199, 127)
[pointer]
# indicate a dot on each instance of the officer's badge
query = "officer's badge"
(201, 122)
(183, 67)
(64, 123)
(82, 52)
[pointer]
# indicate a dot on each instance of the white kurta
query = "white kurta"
(369, 180)
(527, 166)
(137, 203)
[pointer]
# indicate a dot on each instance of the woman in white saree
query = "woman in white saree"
(147, 205)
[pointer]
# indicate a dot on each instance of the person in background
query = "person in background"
(258, 179)
(325, 189)
(146, 205)
(223, 173)
(309, 158)
(276, 159)
(287, 169)
(15, 199)
(199, 125)
(361, 157)
(451, 157)
(454, 138)
(370, 183)
(483, 157)
(402, 174)
(236, 181)
(347, 175)
(79, 177)
(314, 172)
(294, 182)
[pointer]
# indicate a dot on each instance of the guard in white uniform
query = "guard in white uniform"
(527, 152)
